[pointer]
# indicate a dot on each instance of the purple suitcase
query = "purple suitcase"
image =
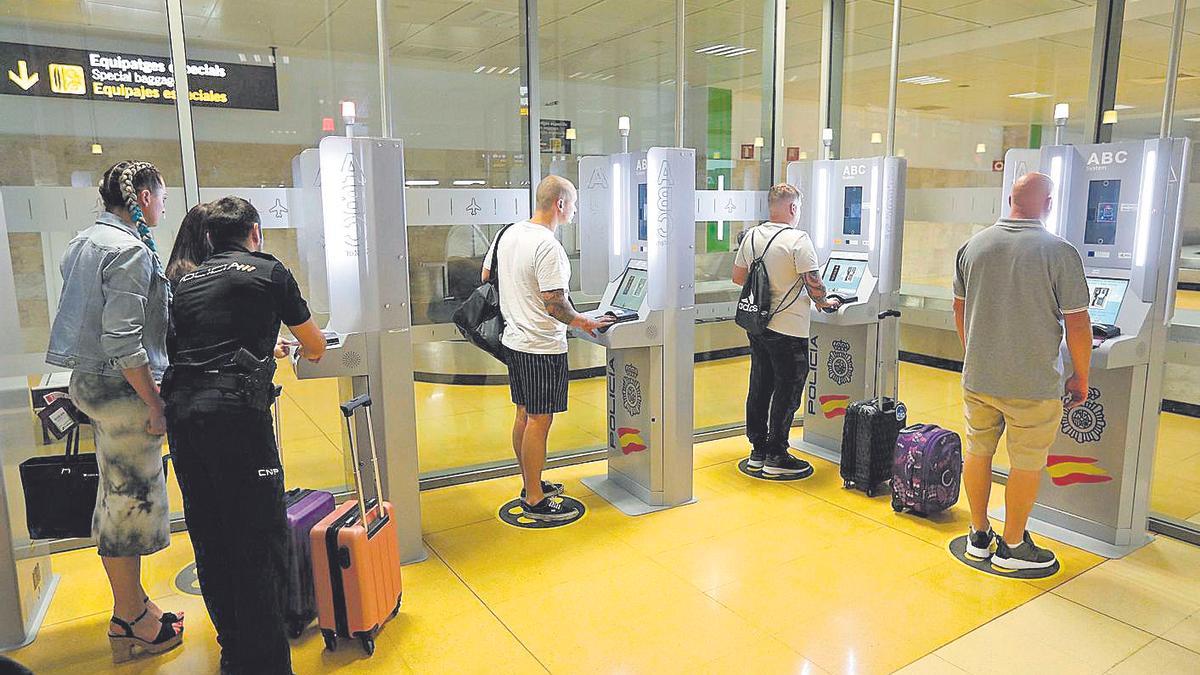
(305, 508)
(927, 469)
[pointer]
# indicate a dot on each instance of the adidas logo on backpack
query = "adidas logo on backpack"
(754, 305)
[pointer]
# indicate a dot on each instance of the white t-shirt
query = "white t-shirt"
(790, 255)
(532, 261)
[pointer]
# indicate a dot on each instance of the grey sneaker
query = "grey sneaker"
(980, 544)
(786, 465)
(548, 489)
(757, 456)
(1025, 556)
(549, 510)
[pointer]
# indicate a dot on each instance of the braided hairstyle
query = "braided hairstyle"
(120, 186)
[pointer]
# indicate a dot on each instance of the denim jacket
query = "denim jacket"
(112, 314)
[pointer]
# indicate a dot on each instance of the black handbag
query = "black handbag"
(479, 318)
(60, 492)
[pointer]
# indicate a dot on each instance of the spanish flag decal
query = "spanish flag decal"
(631, 440)
(834, 405)
(1073, 470)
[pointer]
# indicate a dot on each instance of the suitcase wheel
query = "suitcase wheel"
(846, 485)
(871, 492)
(396, 609)
(295, 629)
(330, 640)
(896, 505)
(368, 645)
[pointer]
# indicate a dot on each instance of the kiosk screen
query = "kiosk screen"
(1104, 200)
(852, 221)
(1105, 296)
(642, 230)
(843, 275)
(632, 291)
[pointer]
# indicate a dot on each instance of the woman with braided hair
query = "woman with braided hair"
(110, 330)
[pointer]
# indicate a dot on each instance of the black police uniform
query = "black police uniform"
(222, 440)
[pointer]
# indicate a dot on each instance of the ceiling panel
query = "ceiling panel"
(717, 23)
(258, 23)
(994, 12)
(858, 43)
(1191, 21)
(862, 14)
(344, 30)
(920, 28)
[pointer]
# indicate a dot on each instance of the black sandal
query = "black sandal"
(167, 617)
(123, 646)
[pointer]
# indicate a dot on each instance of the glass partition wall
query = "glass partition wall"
(462, 84)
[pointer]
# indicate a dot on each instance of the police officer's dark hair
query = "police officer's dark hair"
(230, 220)
(191, 244)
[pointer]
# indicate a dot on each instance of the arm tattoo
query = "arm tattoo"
(558, 306)
(816, 287)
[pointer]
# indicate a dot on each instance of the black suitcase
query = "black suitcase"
(869, 435)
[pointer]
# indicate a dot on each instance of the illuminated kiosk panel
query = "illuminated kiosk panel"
(637, 229)
(1119, 205)
(853, 210)
(369, 330)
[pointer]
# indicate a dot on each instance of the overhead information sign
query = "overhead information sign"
(58, 72)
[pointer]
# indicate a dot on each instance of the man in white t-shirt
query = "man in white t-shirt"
(779, 357)
(535, 278)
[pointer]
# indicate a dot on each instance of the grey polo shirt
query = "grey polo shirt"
(1017, 281)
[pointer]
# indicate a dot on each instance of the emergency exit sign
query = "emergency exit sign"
(97, 75)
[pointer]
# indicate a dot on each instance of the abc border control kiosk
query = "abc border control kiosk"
(637, 218)
(1120, 205)
(855, 216)
(369, 331)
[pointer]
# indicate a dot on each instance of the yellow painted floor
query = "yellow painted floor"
(755, 577)
(461, 426)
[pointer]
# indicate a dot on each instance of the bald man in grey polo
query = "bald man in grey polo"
(1023, 279)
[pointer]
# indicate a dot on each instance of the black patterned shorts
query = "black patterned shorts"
(538, 381)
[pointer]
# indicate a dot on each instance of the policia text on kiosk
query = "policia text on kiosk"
(535, 276)
(779, 357)
(226, 316)
(1015, 285)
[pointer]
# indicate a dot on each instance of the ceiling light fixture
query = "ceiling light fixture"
(876, 137)
(1110, 117)
(925, 79)
(728, 51)
(1191, 119)
(421, 183)
(1122, 106)
(469, 182)
(1030, 95)
(980, 148)
(480, 69)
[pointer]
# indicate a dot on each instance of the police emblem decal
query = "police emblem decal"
(631, 391)
(841, 364)
(1085, 423)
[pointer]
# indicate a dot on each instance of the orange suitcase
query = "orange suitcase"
(356, 557)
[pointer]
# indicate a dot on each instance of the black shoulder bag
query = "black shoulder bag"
(479, 318)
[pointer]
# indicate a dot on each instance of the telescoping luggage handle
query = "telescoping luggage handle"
(348, 410)
(888, 313)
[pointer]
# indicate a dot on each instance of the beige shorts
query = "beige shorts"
(1031, 427)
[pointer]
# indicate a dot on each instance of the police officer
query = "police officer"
(226, 317)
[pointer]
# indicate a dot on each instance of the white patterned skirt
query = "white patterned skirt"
(132, 517)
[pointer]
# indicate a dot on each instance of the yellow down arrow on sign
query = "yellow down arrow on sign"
(23, 80)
